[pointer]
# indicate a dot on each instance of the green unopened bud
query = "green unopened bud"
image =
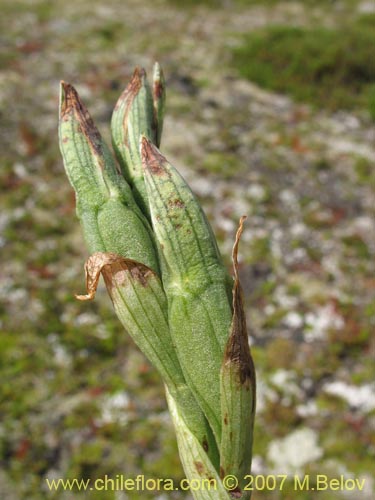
(141, 305)
(110, 218)
(158, 95)
(132, 117)
(186, 240)
(86, 159)
(195, 281)
(237, 392)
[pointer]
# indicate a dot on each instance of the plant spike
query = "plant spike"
(118, 236)
(167, 282)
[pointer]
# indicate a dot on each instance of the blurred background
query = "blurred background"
(270, 113)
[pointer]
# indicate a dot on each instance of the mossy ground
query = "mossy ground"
(77, 398)
(330, 67)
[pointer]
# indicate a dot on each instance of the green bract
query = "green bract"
(156, 251)
(194, 279)
(111, 220)
(237, 390)
(138, 111)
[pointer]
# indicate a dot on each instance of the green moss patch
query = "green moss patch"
(332, 68)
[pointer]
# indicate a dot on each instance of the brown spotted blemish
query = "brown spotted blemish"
(176, 203)
(205, 444)
(199, 468)
(152, 160)
(139, 272)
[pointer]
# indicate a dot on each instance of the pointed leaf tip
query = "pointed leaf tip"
(158, 96)
(68, 95)
(132, 89)
(237, 349)
(70, 103)
(158, 82)
(139, 72)
(235, 246)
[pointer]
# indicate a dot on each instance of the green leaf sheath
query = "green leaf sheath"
(140, 304)
(132, 117)
(237, 393)
(198, 468)
(110, 218)
(195, 281)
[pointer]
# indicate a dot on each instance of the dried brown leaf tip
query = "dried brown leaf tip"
(71, 104)
(237, 349)
(93, 268)
(68, 98)
(125, 103)
(152, 159)
(116, 271)
(235, 248)
(132, 88)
